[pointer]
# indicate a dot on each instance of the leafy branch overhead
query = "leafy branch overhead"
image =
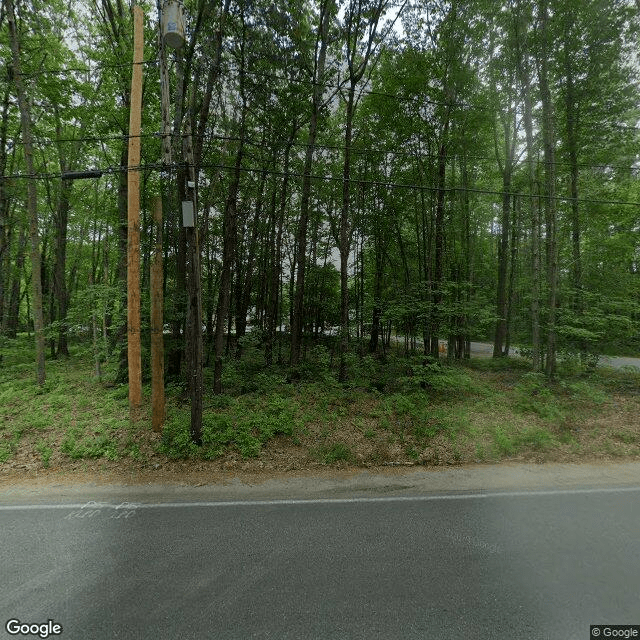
(437, 171)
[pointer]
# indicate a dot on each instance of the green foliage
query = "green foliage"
(584, 392)
(316, 366)
(45, 450)
(441, 380)
(241, 424)
(176, 439)
(78, 446)
(534, 395)
(509, 442)
(336, 452)
(7, 450)
(431, 428)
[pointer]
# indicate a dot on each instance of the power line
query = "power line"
(378, 183)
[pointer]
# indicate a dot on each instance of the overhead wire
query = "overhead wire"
(354, 149)
(158, 166)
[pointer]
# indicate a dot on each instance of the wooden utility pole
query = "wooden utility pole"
(157, 341)
(133, 210)
(194, 292)
(32, 195)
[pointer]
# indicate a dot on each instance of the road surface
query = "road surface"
(485, 350)
(386, 560)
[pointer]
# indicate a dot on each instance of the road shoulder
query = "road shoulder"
(327, 485)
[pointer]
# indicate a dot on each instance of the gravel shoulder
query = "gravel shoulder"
(322, 484)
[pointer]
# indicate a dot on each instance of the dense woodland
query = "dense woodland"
(366, 171)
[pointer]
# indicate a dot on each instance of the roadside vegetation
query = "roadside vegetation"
(398, 411)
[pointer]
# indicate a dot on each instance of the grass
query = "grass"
(406, 410)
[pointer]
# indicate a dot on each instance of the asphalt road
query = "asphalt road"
(485, 350)
(525, 564)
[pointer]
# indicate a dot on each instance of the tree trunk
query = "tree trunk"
(503, 246)
(300, 257)
(550, 202)
(572, 150)
(4, 211)
(32, 196)
(345, 234)
(11, 320)
(438, 268)
(60, 293)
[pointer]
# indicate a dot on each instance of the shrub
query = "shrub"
(176, 437)
(334, 453)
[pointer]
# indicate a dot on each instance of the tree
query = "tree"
(32, 194)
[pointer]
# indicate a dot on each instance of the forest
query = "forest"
(372, 179)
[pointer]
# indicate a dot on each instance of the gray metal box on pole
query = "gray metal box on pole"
(187, 214)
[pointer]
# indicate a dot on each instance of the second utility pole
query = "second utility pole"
(134, 356)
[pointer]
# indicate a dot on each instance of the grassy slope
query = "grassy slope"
(400, 412)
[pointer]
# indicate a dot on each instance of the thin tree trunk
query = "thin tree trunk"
(524, 76)
(345, 235)
(515, 239)
(503, 246)
(572, 149)
(297, 319)
(32, 196)
(550, 203)
(228, 257)
(13, 306)
(438, 268)
(4, 210)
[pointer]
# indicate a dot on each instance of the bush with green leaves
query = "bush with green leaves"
(78, 446)
(176, 439)
(336, 452)
(509, 442)
(533, 395)
(45, 450)
(442, 380)
(316, 366)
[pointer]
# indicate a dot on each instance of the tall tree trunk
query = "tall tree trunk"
(4, 210)
(32, 196)
(550, 201)
(229, 242)
(438, 267)
(524, 75)
(13, 306)
(515, 239)
(300, 255)
(510, 141)
(60, 293)
(572, 150)
(345, 234)
(244, 293)
(377, 286)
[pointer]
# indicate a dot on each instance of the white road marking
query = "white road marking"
(363, 500)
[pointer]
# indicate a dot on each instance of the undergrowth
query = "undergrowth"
(389, 410)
